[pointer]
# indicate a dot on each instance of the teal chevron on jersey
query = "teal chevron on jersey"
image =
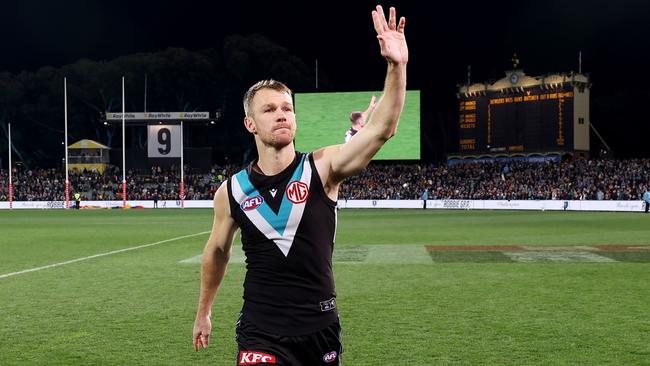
(277, 221)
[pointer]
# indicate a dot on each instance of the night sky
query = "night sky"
(444, 37)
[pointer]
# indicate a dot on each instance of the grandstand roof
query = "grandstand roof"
(517, 79)
(87, 144)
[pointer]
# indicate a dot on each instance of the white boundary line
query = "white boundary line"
(98, 255)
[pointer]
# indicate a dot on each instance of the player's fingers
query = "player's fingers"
(205, 340)
(376, 22)
(196, 343)
(402, 23)
(382, 18)
(391, 18)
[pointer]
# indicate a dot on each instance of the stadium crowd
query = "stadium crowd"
(515, 180)
(49, 184)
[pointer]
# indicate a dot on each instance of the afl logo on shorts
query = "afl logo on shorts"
(252, 203)
(330, 357)
(297, 192)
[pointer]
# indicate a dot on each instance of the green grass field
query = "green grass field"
(548, 296)
(323, 119)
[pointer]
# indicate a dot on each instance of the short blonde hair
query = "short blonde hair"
(263, 84)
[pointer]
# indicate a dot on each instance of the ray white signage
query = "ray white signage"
(158, 116)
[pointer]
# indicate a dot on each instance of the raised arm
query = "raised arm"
(215, 260)
(349, 159)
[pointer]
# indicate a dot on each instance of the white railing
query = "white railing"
(554, 205)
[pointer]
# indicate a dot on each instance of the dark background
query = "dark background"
(444, 38)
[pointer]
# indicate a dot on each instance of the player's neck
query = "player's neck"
(272, 161)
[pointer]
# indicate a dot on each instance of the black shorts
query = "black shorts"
(257, 347)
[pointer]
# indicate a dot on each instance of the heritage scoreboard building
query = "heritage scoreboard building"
(520, 115)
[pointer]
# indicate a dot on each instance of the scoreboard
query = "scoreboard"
(536, 117)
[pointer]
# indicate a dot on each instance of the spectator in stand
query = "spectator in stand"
(77, 200)
(425, 197)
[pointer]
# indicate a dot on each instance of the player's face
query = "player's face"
(272, 120)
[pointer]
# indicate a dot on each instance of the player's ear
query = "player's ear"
(250, 125)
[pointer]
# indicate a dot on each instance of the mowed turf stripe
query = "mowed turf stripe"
(405, 253)
(465, 256)
(539, 254)
(237, 256)
(630, 257)
(416, 253)
(99, 255)
(402, 253)
(558, 257)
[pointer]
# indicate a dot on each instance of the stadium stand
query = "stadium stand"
(517, 180)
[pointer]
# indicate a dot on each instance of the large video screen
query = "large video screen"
(324, 118)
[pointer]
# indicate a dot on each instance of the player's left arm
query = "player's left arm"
(342, 161)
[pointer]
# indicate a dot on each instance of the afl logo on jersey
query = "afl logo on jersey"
(252, 203)
(297, 192)
(330, 357)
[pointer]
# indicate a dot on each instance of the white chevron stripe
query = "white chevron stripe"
(259, 221)
(298, 209)
(285, 241)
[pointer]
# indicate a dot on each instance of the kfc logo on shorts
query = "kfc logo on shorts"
(330, 357)
(254, 358)
(252, 203)
(297, 192)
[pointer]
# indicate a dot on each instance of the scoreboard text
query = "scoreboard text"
(533, 120)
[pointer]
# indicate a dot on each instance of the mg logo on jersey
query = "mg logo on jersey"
(330, 357)
(254, 358)
(297, 192)
(252, 203)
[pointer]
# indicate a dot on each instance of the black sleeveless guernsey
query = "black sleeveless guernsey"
(288, 226)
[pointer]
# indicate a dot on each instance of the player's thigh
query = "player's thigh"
(322, 348)
(256, 347)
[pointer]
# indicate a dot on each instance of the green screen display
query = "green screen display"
(324, 118)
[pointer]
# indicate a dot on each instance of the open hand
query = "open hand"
(391, 36)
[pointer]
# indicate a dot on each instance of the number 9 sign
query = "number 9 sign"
(164, 141)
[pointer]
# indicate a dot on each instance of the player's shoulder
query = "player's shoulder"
(323, 159)
(222, 192)
(221, 202)
(326, 152)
